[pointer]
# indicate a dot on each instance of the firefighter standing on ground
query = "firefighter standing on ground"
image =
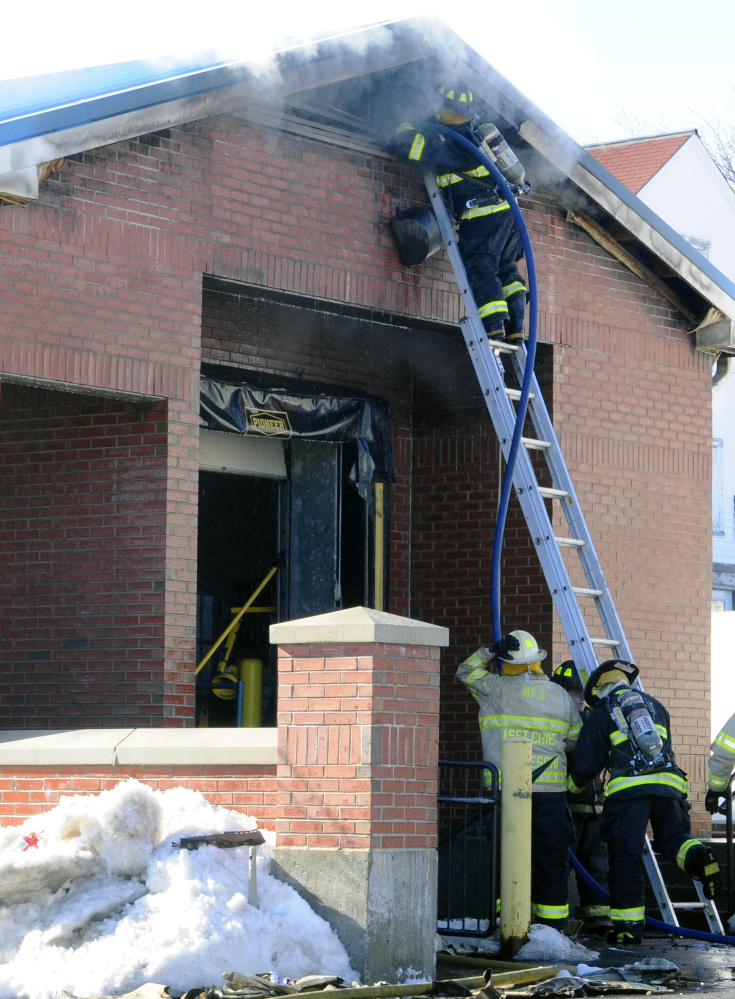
(523, 702)
(586, 812)
(488, 238)
(629, 734)
(720, 765)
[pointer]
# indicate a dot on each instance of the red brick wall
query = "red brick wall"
(358, 741)
(27, 791)
(633, 413)
(104, 290)
(83, 556)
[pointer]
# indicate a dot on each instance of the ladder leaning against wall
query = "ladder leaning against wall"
(575, 604)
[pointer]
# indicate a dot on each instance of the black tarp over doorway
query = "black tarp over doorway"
(242, 408)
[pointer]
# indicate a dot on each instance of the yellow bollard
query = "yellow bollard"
(515, 845)
(251, 674)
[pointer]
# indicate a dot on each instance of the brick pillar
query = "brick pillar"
(358, 720)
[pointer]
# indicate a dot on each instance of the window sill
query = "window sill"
(140, 747)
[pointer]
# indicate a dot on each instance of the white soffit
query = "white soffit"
(241, 455)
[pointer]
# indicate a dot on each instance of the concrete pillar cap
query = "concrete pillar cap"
(358, 626)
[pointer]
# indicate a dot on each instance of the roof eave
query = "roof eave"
(647, 227)
(117, 117)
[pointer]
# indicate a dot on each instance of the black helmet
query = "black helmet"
(566, 676)
(458, 98)
(629, 669)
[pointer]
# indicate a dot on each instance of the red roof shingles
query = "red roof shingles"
(635, 161)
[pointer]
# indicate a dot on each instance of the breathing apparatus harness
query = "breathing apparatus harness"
(631, 711)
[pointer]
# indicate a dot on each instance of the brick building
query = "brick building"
(208, 223)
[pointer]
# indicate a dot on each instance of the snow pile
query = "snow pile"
(544, 944)
(547, 944)
(105, 903)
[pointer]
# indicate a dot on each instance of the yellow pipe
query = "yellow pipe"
(379, 545)
(251, 674)
(236, 620)
(515, 845)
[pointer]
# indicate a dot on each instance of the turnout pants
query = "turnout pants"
(551, 836)
(491, 248)
(591, 852)
(624, 824)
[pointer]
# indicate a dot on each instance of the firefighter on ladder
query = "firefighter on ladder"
(523, 702)
(488, 240)
(629, 734)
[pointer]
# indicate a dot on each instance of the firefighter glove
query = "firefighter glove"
(508, 643)
(712, 801)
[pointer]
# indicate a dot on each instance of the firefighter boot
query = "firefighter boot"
(495, 328)
(516, 316)
(595, 919)
(701, 864)
(625, 934)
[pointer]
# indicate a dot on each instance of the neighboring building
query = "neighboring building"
(207, 234)
(676, 177)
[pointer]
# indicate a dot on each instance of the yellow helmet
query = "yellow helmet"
(529, 652)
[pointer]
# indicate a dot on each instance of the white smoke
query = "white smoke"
(165, 32)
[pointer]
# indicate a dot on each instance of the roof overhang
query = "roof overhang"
(294, 80)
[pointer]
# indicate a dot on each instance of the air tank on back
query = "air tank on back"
(501, 154)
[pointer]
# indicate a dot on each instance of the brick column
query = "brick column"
(358, 719)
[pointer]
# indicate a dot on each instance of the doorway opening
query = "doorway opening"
(326, 539)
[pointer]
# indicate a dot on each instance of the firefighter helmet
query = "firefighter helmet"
(629, 670)
(458, 98)
(529, 652)
(566, 676)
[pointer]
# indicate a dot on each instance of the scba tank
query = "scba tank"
(641, 725)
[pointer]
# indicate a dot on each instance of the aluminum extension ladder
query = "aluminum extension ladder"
(609, 636)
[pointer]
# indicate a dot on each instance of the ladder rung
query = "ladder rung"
(583, 591)
(550, 493)
(689, 905)
(516, 394)
(610, 642)
(529, 442)
(570, 543)
(504, 348)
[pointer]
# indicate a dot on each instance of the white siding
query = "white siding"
(690, 193)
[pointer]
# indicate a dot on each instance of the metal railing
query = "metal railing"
(468, 802)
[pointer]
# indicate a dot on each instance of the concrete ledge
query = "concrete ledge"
(199, 745)
(358, 626)
(139, 747)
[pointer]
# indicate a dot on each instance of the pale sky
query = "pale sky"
(660, 64)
